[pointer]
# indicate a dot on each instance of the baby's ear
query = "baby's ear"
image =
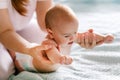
(50, 33)
(49, 30)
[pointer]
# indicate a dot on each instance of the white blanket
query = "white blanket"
(100, 63)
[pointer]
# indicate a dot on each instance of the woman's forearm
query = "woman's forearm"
(41, 9)
(11, 40)
(8, 37)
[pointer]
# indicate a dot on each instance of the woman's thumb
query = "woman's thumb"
(90, 30)
(44, 47)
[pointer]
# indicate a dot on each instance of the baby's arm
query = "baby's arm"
(99, 37)
(56, 57)
(105, 38)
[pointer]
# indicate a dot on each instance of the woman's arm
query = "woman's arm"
(8, 37)
(41, 9)
(13, 41)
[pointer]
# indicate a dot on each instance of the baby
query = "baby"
(62, 26)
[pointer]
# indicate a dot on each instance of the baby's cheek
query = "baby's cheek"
(65, 42)
(61, 41)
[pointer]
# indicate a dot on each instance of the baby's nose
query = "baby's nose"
(72, 38)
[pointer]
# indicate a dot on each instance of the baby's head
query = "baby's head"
(61, 24)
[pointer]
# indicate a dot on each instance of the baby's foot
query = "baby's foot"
(109, 38)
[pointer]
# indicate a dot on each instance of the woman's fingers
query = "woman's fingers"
(88, 39)
(44, 47)
(93, 43)
(90, 30)
(49, 42)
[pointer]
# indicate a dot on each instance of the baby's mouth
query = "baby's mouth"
(70, 43)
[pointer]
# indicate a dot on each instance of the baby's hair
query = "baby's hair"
(19, 6)
(57, 13)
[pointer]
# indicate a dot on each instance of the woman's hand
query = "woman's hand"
(36, 50)
(87, 39)
(40, 59)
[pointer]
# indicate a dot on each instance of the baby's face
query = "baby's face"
(64, 34)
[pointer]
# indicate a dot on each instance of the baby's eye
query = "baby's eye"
(66, 36)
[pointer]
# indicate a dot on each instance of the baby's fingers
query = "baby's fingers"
(66, 60)
(109, 38)
(69, 60)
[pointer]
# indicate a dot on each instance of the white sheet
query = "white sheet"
(100, 63)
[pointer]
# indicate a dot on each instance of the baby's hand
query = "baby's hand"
(66, 60)
(109, 38)
(61, 59)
